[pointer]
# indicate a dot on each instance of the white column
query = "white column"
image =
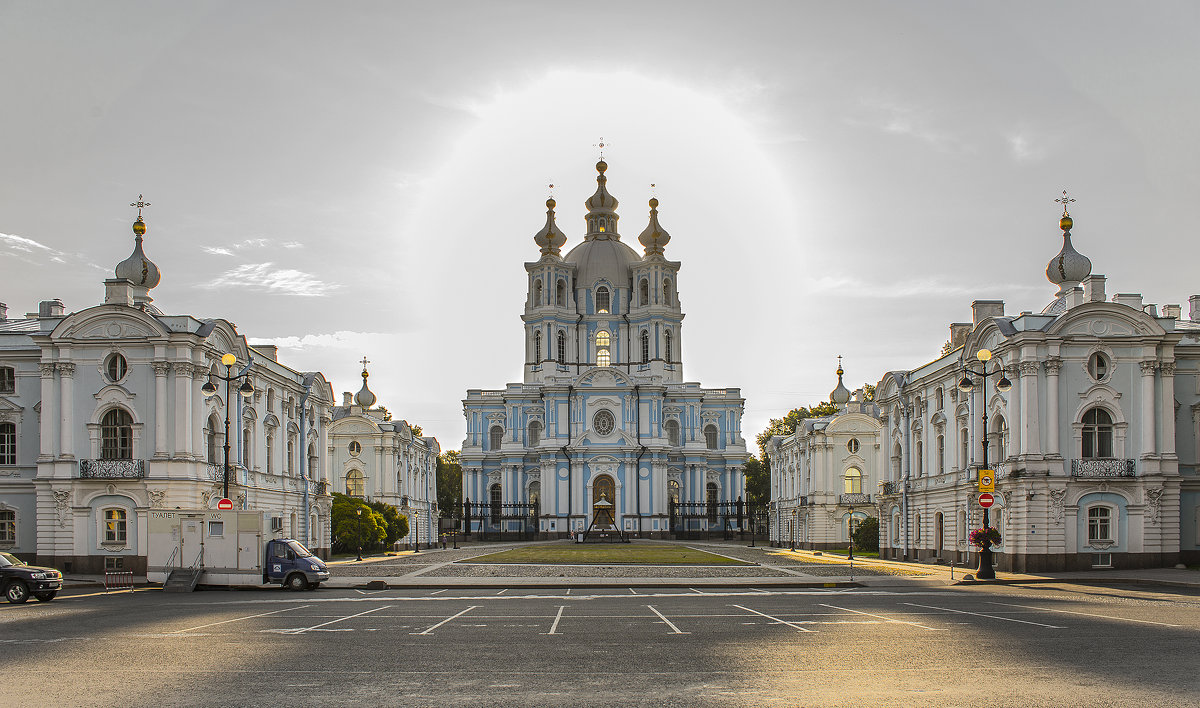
(1013, 408)
(182, 409)
(49, 436)
(160, 408)
(1148, 421)
(1053, 365)
(1032, 440)
(66, 411)
(1167, 372)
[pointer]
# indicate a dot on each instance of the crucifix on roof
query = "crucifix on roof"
(1064, 200)
(140, 205)
(602, 145)
(365, 361)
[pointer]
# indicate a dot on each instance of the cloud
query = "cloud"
(343, 339)
(30, 251)
(217, 251)
(848, 286)
(248, 244)
(908, 121)
(1024, 149)
(26, 245)
(264, 277)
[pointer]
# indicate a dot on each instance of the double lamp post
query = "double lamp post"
(966, 385)
(209, 390)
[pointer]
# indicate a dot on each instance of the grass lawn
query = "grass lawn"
(607, 554)
(845, 552)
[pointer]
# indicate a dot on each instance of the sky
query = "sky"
(365, 179)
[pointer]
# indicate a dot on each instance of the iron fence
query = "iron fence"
(702, 520)
(1102, 468)
(112, 469)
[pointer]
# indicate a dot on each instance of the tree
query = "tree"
(449, 483)
(356, 524)
(868, 392)
(866, 534)
(758, 481)
(788, 424)
(395, 523)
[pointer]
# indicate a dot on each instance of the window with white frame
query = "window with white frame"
(603, 300)
(920, 461)
(8, 379)
(644, 291)
(355, 484)
(496, 437)
(115, 367)
(965, 443)
(941, 453)
(1101, 526)
(115, 526)
(711, 494)
(537, 293)
(710, 436)
(8, 443)
(645, 347)
(496, 498)
(1097, 434)
(8, 527)
(852, 446)
(667, 346)
(535, 433)
(603, 342)
(1098, 366)
(917, 529)
(562, 347)
(270, 452)
(116, 435)
(537, 347)
(672, 428)
(666, 292)
(560, 292)
(853, 481)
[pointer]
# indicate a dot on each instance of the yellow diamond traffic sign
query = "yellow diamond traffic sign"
(987, 481)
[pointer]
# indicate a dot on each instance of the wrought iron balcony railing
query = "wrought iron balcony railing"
(852, 499)
(890, 488)
(1104, 467)
(112, 469)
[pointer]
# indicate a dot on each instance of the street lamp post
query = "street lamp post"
(965, 385)
(850, 532)
(209, 389)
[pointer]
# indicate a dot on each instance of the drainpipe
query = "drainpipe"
(628, 347)
(637, 490)
(308, 384)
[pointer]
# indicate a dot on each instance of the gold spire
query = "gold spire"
(1065, 223)
(139, 226)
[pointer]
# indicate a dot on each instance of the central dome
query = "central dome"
(606, 259)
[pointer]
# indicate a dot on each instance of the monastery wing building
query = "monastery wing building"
(603, 432)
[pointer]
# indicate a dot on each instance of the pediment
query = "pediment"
(353, 427)
(109, 322)
(603, 377)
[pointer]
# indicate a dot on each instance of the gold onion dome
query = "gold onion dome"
(654, 237)
(601, 201)
(840, 396)
(1069, 268)
(137, 268)
(550, 239)
(364, 397)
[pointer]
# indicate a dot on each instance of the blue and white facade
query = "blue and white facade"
(603, 413)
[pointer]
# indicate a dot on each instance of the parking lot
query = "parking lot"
(1025, 645)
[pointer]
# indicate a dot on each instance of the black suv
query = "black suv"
(19, 580)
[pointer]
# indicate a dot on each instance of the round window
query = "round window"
(852, 446)
(1098, 366)
(116, 367)
(355, 448)
(604, 422)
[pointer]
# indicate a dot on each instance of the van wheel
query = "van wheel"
(45, 596)
(17, 592)
(296, 581)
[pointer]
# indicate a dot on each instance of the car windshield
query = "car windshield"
(301, 551)
(7, 559)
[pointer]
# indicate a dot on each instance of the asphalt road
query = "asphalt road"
(1021, 646)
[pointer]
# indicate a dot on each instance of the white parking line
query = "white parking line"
(980, 614)
(439, 592)
(1087, 614)
(632, 591)
(885, 619)
(340, 619)
(439, 624)
(557, 619)
(502, 591)
(793, 625)
(670, 624)
(237, 619)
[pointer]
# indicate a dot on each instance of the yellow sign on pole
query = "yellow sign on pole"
(987, 481)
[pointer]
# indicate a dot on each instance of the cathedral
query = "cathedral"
(603, 432)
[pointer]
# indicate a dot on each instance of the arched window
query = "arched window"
(672, 428)
(246, 449)
(896, 531)
(897, 455)
(535, 495)
(645, 347)
(1097, 433)
(562, 347)
(210, 440)
(710, 436)
(666, 292)
(116, 435)
(941, 453)
(603, 341)
(560, 292)
(919, 463)
(1100, 525)
(535, 433)
(270, 452)
(355, 486)
(667, 346)
(115, 530)
(673, 491)
(939, 398)
(270, 399)
(917, 529)
(495, 499)
(537, 293)
(291, 456)
(8, 443)
(1000, 440)
(8, 379)
(965, 438)
(939, 532)
(8, 527)
(853, 481)
(314, 462)
(537, 347)
(644, 291)
(711, 497)
(603, 300)
(496, 435)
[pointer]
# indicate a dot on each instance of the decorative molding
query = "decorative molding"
(1053, 365)
(1057, 497)
(47, 369)
(1148, 367)
(1167, 368)
(156, 497)
(161, 367)
(1153, 497)
(1029, 368)
(61, 497)
(66, 370)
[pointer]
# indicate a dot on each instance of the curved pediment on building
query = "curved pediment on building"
(889, 386)
(353, 425)
(1105, 319)
(224, 339)
(603, 377)
(109, 322)
(854, 423)
(988, 335)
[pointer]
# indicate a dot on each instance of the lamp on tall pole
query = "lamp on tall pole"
(209, 389)
(966, 385)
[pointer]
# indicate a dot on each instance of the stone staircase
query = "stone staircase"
(182, 580)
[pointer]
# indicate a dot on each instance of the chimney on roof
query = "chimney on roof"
(271, 351)
(1133, 300)
(1151, 310)
(1194, 308)
(51, 308)
(958, 334)
(3, 312)
(983, 309)
(1172, 311)
(347, 399)
(1093, 288)
(118, 291)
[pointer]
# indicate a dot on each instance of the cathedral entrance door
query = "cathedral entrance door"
(604, 494)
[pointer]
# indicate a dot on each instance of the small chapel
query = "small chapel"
(603, 432)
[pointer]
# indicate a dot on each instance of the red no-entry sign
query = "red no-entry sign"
(986, 500)
(225, 504)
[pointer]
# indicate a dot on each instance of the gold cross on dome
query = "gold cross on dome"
(140, 205)
(602, 145)
(551, 186)
(1065, 200)
(365, 361)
